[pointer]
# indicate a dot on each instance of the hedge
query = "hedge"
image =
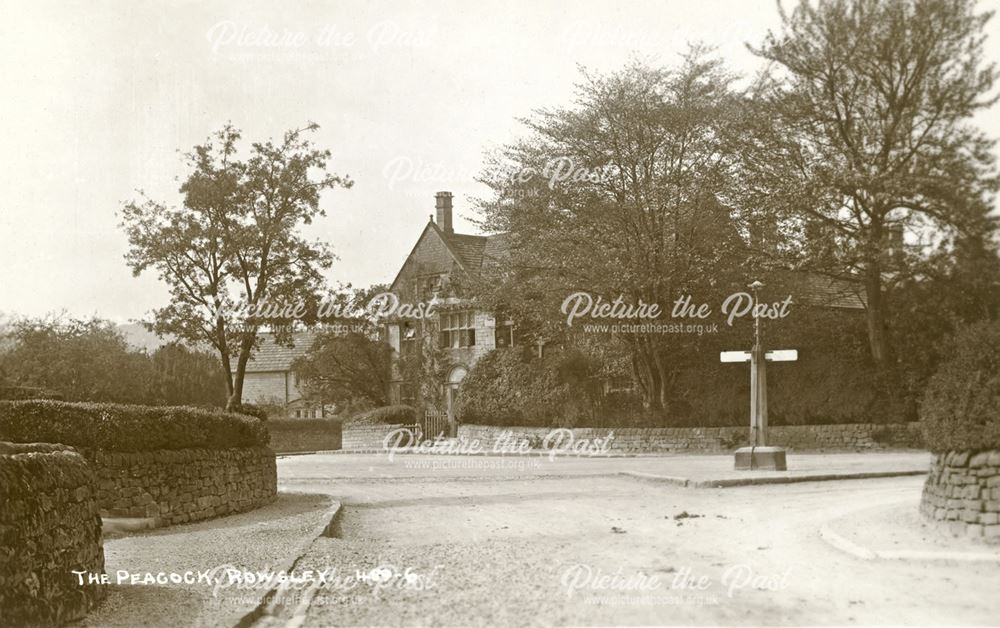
(961, 407)
(387, 415)
(119, 427)
(304, 434)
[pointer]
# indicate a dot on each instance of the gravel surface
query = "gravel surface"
(255, 540)
(898, 527)
(500, 553)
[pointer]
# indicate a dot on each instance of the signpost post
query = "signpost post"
(759, 455)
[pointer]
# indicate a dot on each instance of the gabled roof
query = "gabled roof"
(273, 357)
(466, 249)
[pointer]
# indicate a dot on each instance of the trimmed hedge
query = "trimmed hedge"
(304, 434)
(251, 409)
(388, 415)
(118, 427)
(961, 408)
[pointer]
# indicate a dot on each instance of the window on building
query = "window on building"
(504, 334)
(408, 340)
(458, 330)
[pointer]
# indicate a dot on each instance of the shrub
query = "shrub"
(17, 393)
(510, 387)
(254, 410)
(389, 415)
(119, 427)
(961, 407)
(304, 434)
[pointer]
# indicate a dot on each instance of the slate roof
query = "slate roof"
(468, 248)
(820, 290)
(272, 357)
(473, 250)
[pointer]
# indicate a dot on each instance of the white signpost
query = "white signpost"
(758, 455)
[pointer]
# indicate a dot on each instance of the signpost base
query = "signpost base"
(762, 458)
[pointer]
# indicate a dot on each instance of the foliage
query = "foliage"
(182, 376)
(832, 382)
(19, 393)
(349, 363)
(862, 132)
(386, 415)
(961, 408)
(957, 290)
(84, 360)
(119, 427)
(234, 246)
(643, 216)
(89, 360)
(510, 387)
(304, 434)
(258, 412)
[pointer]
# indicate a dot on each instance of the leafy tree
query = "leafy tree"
(961, 408)
(234, 242)
(84, 359)
(863, 133)
(623, 194)
(349, 361)
(953, 291)
(182, 376)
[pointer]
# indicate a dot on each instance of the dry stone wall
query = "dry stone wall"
(49, 527)
(178, 486)
(367, 437)
(962, 494)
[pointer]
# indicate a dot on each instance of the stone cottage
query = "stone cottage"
(271, 381)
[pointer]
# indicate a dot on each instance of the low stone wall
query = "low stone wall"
(962, 494)
(185, 484)
(368, 436)
(49, 527)
(718, 439)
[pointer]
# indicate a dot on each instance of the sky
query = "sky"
(100, 98)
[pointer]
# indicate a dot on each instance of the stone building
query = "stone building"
(463, 333)
(271, 381)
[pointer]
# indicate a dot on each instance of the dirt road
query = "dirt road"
(618, 551)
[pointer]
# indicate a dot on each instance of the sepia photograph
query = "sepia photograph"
(499, 313)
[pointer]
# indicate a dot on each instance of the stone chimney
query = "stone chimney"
(893, 250)
(443, 206)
